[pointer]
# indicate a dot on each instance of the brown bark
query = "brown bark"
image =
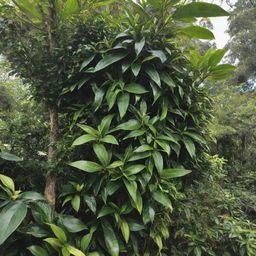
(50, 184)
(49, 191)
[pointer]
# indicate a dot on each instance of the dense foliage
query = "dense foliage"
(133, 175)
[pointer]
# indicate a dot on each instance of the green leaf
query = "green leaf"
(143, 148)
(59, 233)
(86, 166)
(216, 57)
(115, 164)
(148, 214)
(65, 252)
(135, 88)
(135, 225)
(102, 154)
(190, 146)
(109, 59)
(125, 230)
(84, 139)
(37, 250)
(165, 77)
(85, 241)
(133, 134)
(132, 124)
(7, 181)
(135, 67)
(93, 254)
(54, 242)
(199, 9)
(88, 129)
(75, 202)
(110, 238)
(153, 74)
(86, 62)
(103, 3)
(74, 251)
(197, 32)
(173, 173)
(31, 195)
(11, 217)
(158, 160)
(198, 138)
(105, 124)
(139, 46)
(71, 7)
(109, 139)
(223, 68)
(163, 199)
(134, 169)
(72, 224)
(159, 54)
(104, 211)
(111, 98)
(131, 187)
(9, 157)
(91, 202)
(123, 103)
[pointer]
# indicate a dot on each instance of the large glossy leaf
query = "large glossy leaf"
(86, 166)
(87, 61)
(123, 103)
(109, 139)
(197, 32)
(163, 199)
(159, 54)
(31, 195)
(37, 250)
(84, 139)
(132, 124)
(173, 173)
(59, 233)
(74, 251)
(110, 238)
(135, 88)
(9, 157)
(75, 202)
(134, 169)
(7, 181)
(199, 9)
(91, 202)
(154, 75)
(11, 217)
(101, 153)
(88, 129)
(131, 187)
(165, 77)
(190, 146)
(72, 224)
(125, 230)
(158, 160)
(109, 59)
(139, 46)
(216, 57)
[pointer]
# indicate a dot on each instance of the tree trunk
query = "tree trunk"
(50, 185)
(51, 178)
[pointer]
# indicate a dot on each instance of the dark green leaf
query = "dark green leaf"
(158, 160)
(153, 74)
(135, 225)
(134, 169)
(199, 9)
(123, 103)
(11, 217)
(109, 59)
(163, 199)
(31, 195)
(135, 88)
(173, 173)
(131, 187)
(72, 224)
(136, 68)
(133, 134)
(190, 146)
(139, 46)
(131, 125)
(91, 202)
(86, 62)
(105, 210)
(167, 79)
(110, 238)
(37, 250)
(9, 157)
(86, 166)
(159, 54)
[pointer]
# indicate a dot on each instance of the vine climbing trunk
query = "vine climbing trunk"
(50, 193)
